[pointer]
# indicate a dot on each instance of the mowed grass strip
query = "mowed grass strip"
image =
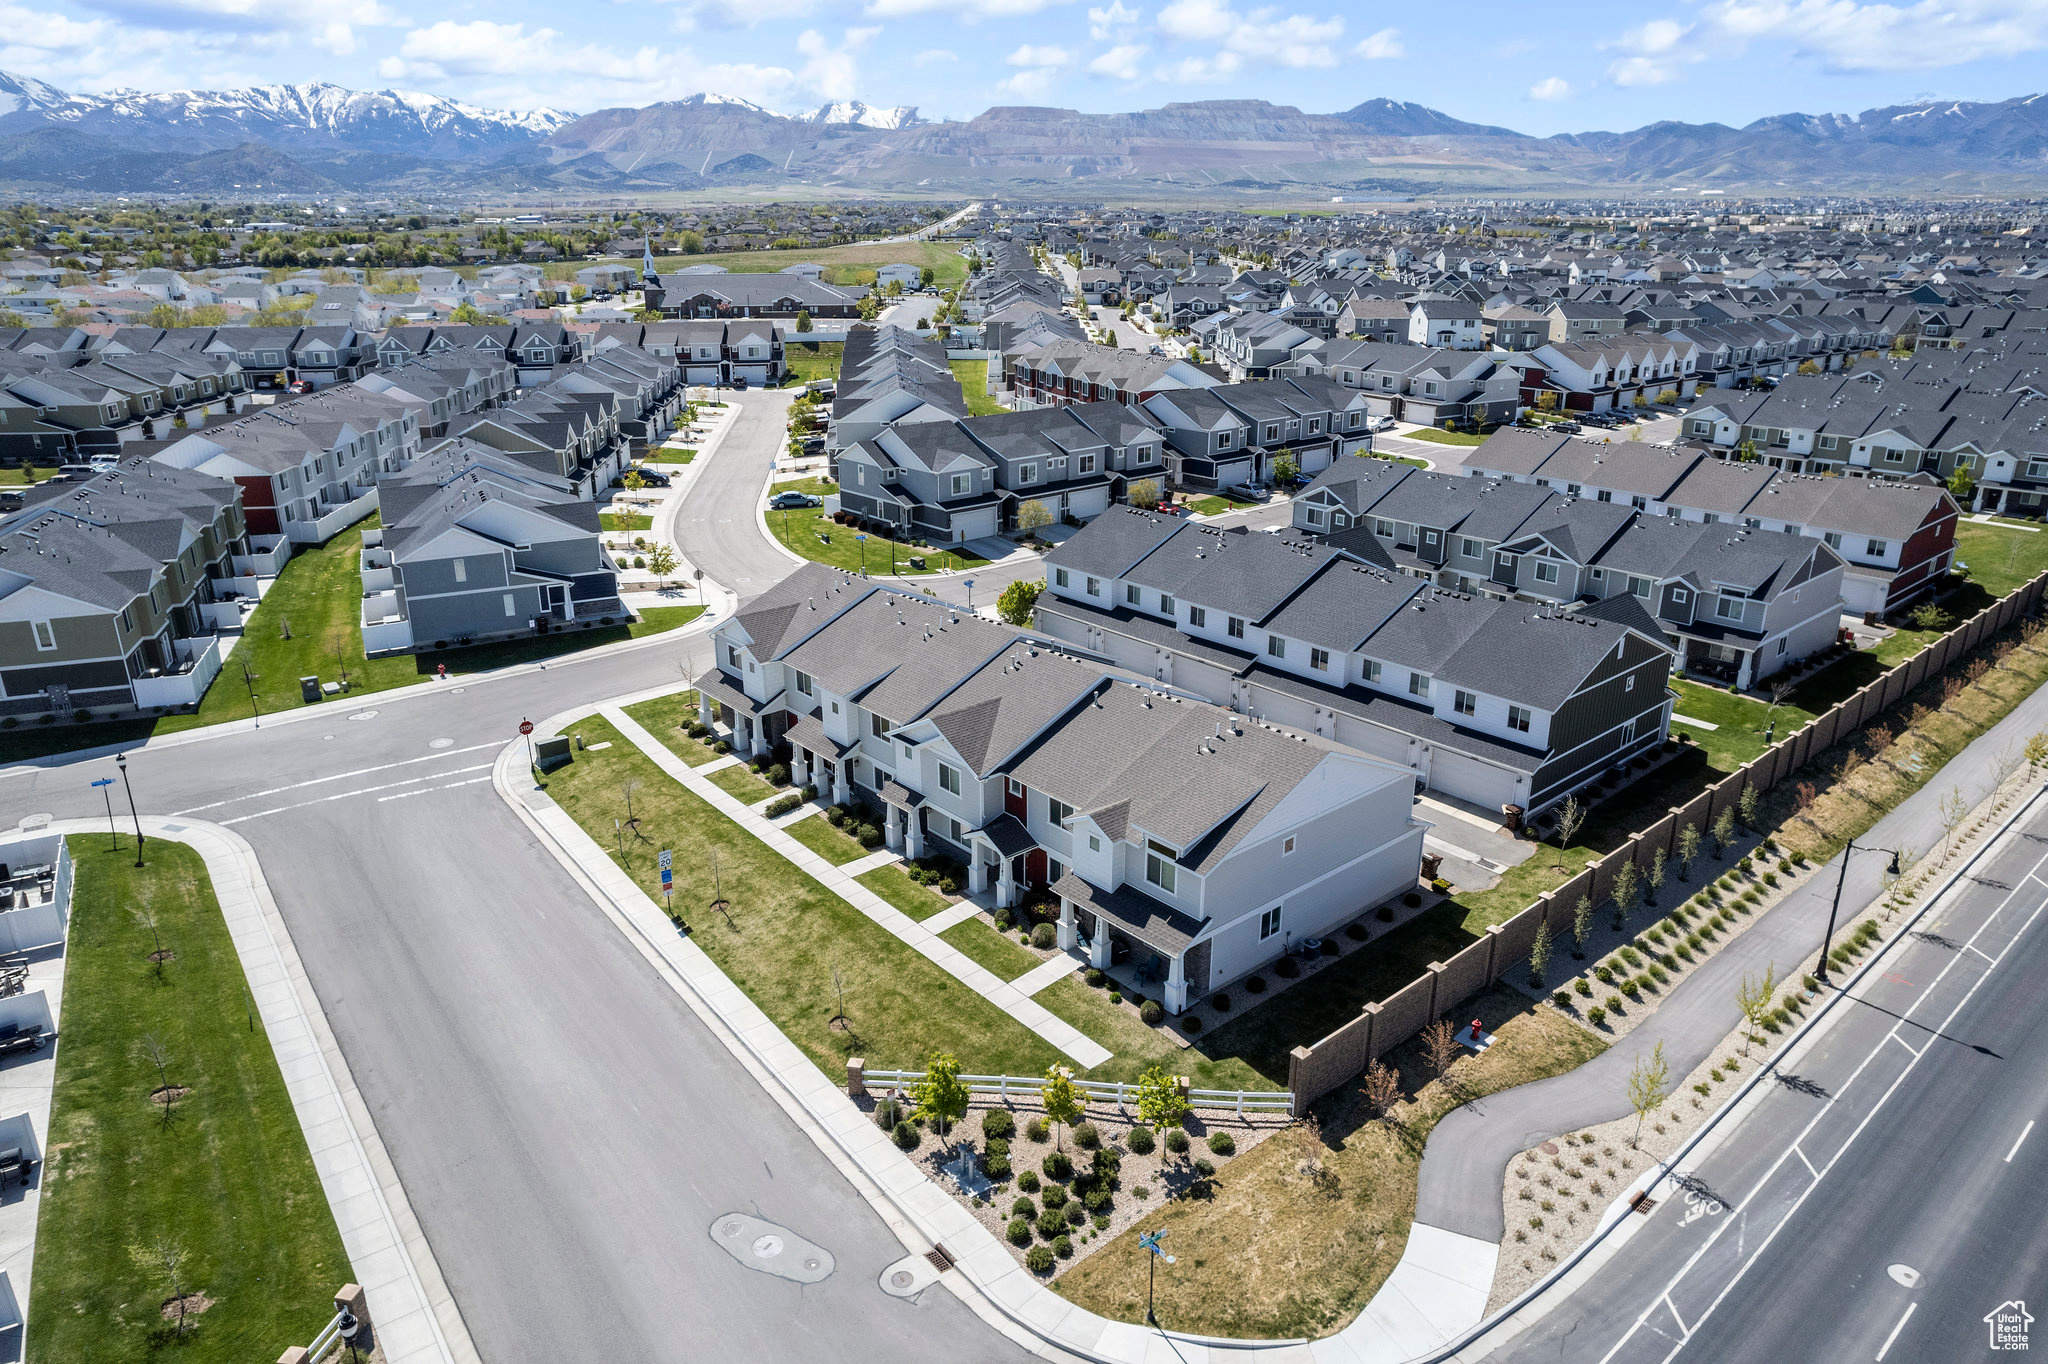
(1303, 1229)
(817, 834)
(985, 947)
(741, 784)
(664, 717)
(893, 884)
(784, 934)
(227, 1180)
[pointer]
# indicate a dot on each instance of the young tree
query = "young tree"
(1653, 882)
(1954, 810)
(1688, 850)
(1753, 997)
(1582, 926)
(1649, 1084)
(1382, 1088)
(1628, 893)
(1160, 1102)
(1745, 806)
(158, 1056)
(1439, 1048)
(2037, 749)
(633, 482)
(1284, 467)
(1962, 484)
(1571, 817)
(941, 1096)
(1723, 830)
(164, 1255)
(1018, 601)
(1144, 493)
(1539, 954)
(803, 319)
(661, 561)
(1062, 1100)
(1033, 516)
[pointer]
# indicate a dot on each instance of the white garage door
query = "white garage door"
(1455, 774)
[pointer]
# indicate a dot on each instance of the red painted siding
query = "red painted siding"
(259, 506)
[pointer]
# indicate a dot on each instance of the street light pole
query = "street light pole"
(1820, 972)
(121, 761)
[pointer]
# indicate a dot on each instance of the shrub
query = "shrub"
(1385, 913)
(999, 1124)
(1658, 973)
(1191, 1024)
(778, 774)
(1596, 1015)
(1003, 924)
(836, 816)
(1038, 1259)
(1330, 948)
(1204, 1167)
(783, 806)
(1027, 1181)
(1412, 899)
(1086, 1137)
(1020, 1230)
(1036, 1129)
(1139, 1140)
(996, 1146)
(996, 1167)
(1562, 999)
(1055, 1198)
(1255, 984)
(1063, 1246)
(949, 885)
(721, 747)
(1583, 988)
(1604, 973)
(1096, 1199)
(1057, 1165)
(1023, 1207)
(1220, 1002)
(1116, 997)
(1222, 1143)
(1151, 1014)
(869, 835)
(1287, 968)
(1357, 932)
(1044, 937)
(1176, 1140)
(1051, 1224)
(1628, 954)
(907, 1136)
(1682, 951)
(1076, 1214)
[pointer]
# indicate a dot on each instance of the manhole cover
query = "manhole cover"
(364, 715)
(908, 1277)
(762, 1245)
(902, 1278)
(442, 743)
(34, 822)
(457, 691)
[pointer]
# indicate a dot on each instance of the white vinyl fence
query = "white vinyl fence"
(1116, 1092)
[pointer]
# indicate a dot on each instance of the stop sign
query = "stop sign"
(526, 726)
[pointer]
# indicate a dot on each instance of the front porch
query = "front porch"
(1140, 942)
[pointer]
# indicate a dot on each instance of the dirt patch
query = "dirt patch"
(192, 1304)
(163, 954)
(166, 1095)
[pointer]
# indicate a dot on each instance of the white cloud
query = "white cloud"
(1381, 46)
(1656, 53)
(538, 67)
(1551, 88)
(1202, 70)
(329, 26)
(739, 13)
(1263, 35)
(1120, 62)
(977, 9)
(1030, 55)
(828, 71)
(1117, 21)
(1031, 83)
(932, 55)
(1845, 36)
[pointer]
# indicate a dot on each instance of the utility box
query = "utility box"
(309, 689)
(549, 754)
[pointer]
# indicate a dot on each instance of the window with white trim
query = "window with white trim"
(1236, 628)
(1269, 923)
(1464, 702)
(1546, 571)
(511, 605)
(1877, 549)
(1131, 594)
(1276, 646)
(1418, 684)
(1319, 659)
(1372, 670)
(949, 779)
(1287, 845)
(1059, 577)
(1198, 618)
(1518, 719)
(1159, 866)
(1727, 607)
(46, 636)
(803, 682)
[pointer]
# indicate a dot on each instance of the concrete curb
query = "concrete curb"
(415, 1316)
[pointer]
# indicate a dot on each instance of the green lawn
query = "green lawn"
(741, 784)
(1741, 723)
(973, 377)
(817, 834)
(663, 717)
(2000, 559)
(1219, 502)
(672, 454)
(624, 522)
(1431, 433)
(227, 1180)
(948, 265)
(893, 884)
(810, 361)
(809, 532)
(18, 476)
(984, 946)
(786, 933)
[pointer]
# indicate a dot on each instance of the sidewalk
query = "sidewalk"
(1005, 995)
(412, 1312)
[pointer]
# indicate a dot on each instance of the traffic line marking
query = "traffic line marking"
(1885, 1349)
(2016, 1145)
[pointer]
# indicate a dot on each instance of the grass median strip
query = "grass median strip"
(893, 884)
(741, 784)
(1301, 1231)
(986, 947)
(664, 716)
(782, 934)
(222, 1176)
(817, 834)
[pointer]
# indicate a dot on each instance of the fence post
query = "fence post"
(351, 1298)
(1436, 977)
(1493, 951)
(1371, 1014)
(856, 1076)
(1297, 1061)
(295, 1355)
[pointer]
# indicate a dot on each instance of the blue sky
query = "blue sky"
(1536, 67)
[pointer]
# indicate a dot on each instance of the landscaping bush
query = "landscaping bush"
(1003, 924)
(1255, 984)
(1027, 1181)
(888, 1113)
(1096, 1199)
(783, 806)
(1038, 1259)
(1176, 1141)
(1562, 999)
(1604, 973)
(1287, 968)
(777, 774)
(1116, 997)
(1204, 1167)
(1063, 1246)
(1191, 1025)
(1057, 1165)
(907, 1136)
(1055, 1198)
(1385, 914)
(1076, 1215)
(1094, 977)
(1629, 955)
(1596, 1015)
(1051, 1224)
(1658, 973)
(1682, 951)
(999, 1123)
(721, 748)
(1086, 1136)
(1222, 1143)
(1330, 948)
(1357, 932)
(948, 886)
(1413, 899)
(1036, 1129)
(996, 1146)
(1151, 1014)
(1220, 1002)
(1139, 1140)
(1583, 988)
(1045, 937)
(996, 1167)
(1020, 1230)
(1023, 1207)
(836, 816)
(1668, 961)
(869, 835)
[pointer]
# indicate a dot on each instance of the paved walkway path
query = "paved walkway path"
(1016, 1002)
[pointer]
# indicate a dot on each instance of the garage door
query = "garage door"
(1466, 778)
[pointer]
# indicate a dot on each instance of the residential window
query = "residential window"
(1781, 648)
(732, 656)
(1287, 845)
(1315, 516)
(127, 619)
(1470, 548)
(1027, 473)
(878, 725)
(803, 682)
(1728, 608)
(1236, 628)
(1832, 539)
(1465, 703)
(1131, 593)
(1418, 684)
(909, 751)
(961, 484)
(511, 605)
(1639, 586)
(1372, 670)
(1095, 587)
(1198, 618)
(1059, 577)
(1877, 549)
(46, 637)
(1087, 464)
(1276, 646)
(1546, 572)
(1094, 843)
(1014, 787)
(1269, 923)
(462, 570)
(1518, 718)
(1319, 659)
(1166, 604)
(1145, 455)
(1058, 811)
(949, 779)
(1159, 868)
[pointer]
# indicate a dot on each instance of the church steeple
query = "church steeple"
(647, 274)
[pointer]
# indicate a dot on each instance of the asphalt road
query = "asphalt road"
(1884, 1195)
(566, 1130)
(716, 526)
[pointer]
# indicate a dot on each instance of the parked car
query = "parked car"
(299, 386)
(653, 478)
(739, 382)
(792, 501)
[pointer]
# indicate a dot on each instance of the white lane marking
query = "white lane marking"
(1885, 1349)
(338, 776)
(1672, 1308)
(1979, 951)
(2016, 1145)
(429, 790)
(1908, 1045)
(1794, 1149)
(363, 791)
(1804, 1161)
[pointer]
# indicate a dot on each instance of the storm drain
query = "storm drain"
(771, 1249)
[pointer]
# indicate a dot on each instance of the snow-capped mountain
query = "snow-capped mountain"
(864, 115)
(318, 115)
(706, 97)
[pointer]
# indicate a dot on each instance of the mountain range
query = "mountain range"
(322, 139)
